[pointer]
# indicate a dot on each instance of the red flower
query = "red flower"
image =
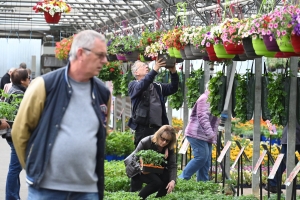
(111, 69)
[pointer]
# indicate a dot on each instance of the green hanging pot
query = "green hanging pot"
(171, 52)
(221, 52)
(285, 44)
(261, 49)
(177, 53)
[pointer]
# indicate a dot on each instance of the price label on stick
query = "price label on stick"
(184, 147)
(275, 166)
(260, 159)
(237, 158)
(292, 175)
(223, 152)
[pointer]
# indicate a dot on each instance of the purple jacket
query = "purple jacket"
(202, 124)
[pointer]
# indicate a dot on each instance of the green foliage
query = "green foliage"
(117, 86)
(130, 43)
(119, 143)
(193, 86)
(149, 37)
(110, 71)
(214, 97)
(276, 97)
(242, 96)
(162, 76)
(176, 99)
(9, 110)
(121, 195)
(151, 157)
(113, 45)
(126, 79)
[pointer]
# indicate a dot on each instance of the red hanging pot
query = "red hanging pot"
(296, 43)
(233, 48)
(52, 20)
(211, 53)
(280, 55)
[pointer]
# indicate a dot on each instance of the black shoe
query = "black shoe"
(272, 189)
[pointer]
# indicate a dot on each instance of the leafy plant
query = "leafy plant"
(214, 97)
(193, 85)
(115, 140)
(242, 96)
(9, 108)
(149, 37)
(126, 79)
(110, 71)
(176, 99)
(117, 85)
(151, 157)
(113, 45)
(130, 44)
(63, 47)
(276, 97)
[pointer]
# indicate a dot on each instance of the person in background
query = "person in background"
(20, 82)
(157, 115)
(201, 132)
(273, 182)
(6, 78)
(157, 91)
(60, 129)
(22, 65)
(162, 141)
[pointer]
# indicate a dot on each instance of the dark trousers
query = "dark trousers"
(282, 166)
(155, 183)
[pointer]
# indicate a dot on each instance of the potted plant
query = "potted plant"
(151, 161)
(111, 71)
(186, 39)
(8, 110)
(295, 34)
(171, 40)
(230, 36)
(131, 47)
(197, 48)
(52, 9)
(63, 47)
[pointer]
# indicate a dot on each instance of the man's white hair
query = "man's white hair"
(84, 39)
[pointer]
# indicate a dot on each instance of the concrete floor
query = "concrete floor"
(4, 162)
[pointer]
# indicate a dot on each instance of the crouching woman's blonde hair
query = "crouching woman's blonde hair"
(168, 130)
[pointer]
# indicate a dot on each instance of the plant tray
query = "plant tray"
(152, 169)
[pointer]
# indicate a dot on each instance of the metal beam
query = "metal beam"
(127, 20)
(138, 15)
(154, 14)
(71, 3)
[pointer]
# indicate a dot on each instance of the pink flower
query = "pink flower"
(278, 33)
(207, 44)
(275, 26)
(268, 32)
(270, 38)
(270, 25)
(283, 32)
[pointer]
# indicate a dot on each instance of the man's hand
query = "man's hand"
(170, 186)
(172, 69)
(4, 124)
(158, 64)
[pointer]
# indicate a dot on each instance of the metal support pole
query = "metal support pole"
(256, 132)
(291, 136)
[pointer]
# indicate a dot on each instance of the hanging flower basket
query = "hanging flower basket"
(188, 53)
(171, 51)
(132, 56)
(197, 52)
(211, 53)
(248, 48)
(295, 39)
(52, 20)
(176, 53)
(232, 48)
(121, 57)
(183, 55)
(270, 42)
(261, 49)
(170, 61)
(221, 52)
(285, 44)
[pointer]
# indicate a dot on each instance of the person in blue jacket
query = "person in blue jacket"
(155, 114)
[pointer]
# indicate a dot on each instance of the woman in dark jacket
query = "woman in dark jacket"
(20, 81)
(162, 141)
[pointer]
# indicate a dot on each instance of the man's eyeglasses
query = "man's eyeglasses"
(99, 55)
(164, 139)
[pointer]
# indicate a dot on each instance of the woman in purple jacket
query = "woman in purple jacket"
(201, 132)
